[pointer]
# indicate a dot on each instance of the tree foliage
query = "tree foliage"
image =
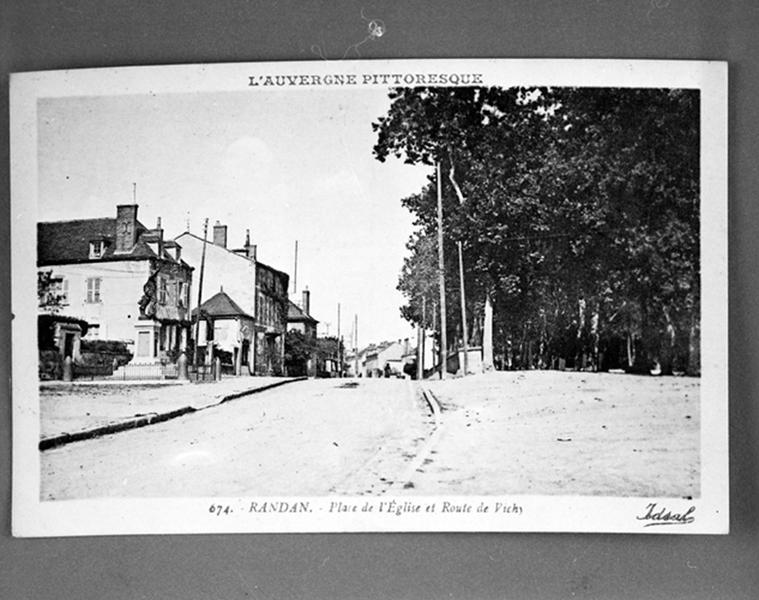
(578, 213)
(299, 349)
(50, 296)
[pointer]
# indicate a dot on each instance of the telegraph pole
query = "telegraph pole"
(355, 344)
(420, 341)
(295, 270)
(200, 291)
(339, 361)
(441, 279)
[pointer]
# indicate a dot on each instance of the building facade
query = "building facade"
(384, 359)
(226, 330)
(123, 279)
(271, 319)
(299, 317)
(301, 324)
(256, 289)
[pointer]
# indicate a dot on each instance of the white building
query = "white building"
(256, 342)
(122, 278)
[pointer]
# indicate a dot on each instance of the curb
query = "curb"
(433, 403)
(150, 419)
(277, 384)
(408, 475)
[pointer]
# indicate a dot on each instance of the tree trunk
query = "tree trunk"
(464, 333)
(487, 336)
(694, 348)
(630, 350)
(594, 331)
(668, 349)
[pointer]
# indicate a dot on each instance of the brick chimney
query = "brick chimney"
(220, 235)
(159, 229)
(126, 227)
(306, 302)
(250, 249)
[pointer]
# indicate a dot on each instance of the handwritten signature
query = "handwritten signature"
(664, 516)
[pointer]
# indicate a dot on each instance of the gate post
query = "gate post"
(182, 366)
(68, 369)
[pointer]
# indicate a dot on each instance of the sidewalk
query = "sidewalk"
(75, 411)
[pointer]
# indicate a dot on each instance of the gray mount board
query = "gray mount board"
(55, 35)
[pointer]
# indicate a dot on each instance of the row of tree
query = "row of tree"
(577, 214)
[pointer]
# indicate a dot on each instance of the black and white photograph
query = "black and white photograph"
(469, 295)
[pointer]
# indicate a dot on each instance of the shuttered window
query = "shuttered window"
(93, 290)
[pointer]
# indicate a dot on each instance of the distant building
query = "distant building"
(229, 328)
(384, 359)
(259, 293)
(299, 317)
(123, 279)
(299, 320)
(351, 364)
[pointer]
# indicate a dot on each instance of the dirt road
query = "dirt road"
(307, 438)
(549, 432)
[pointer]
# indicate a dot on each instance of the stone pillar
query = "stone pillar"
(238, 360)
(68, 369)
(487, 336)
(182, 366)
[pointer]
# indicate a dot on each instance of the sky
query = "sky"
(288, 165)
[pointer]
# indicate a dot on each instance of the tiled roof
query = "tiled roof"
(229, 251)
(61, 242)
(373, 349)
(295, 314)
(221, 305)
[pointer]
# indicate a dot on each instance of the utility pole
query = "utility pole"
(441, 278)
(295, 270)
(339, 361)
(355, 344)
(200, 292)
(419, 353)
(420, 341)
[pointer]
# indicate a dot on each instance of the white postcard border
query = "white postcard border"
(31, 517)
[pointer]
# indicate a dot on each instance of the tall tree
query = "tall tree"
(579, 219)
(452, 127)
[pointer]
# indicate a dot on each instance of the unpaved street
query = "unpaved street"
(550, 432)
(314, 437)
(531, 432)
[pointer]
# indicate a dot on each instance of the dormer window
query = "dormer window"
(96, 248)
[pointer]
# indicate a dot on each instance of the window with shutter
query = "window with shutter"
(93, 290)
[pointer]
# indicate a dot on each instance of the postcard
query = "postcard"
(370, 296)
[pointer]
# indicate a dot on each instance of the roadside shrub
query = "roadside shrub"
(103, 352)
(104, 346)
(50, 365)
